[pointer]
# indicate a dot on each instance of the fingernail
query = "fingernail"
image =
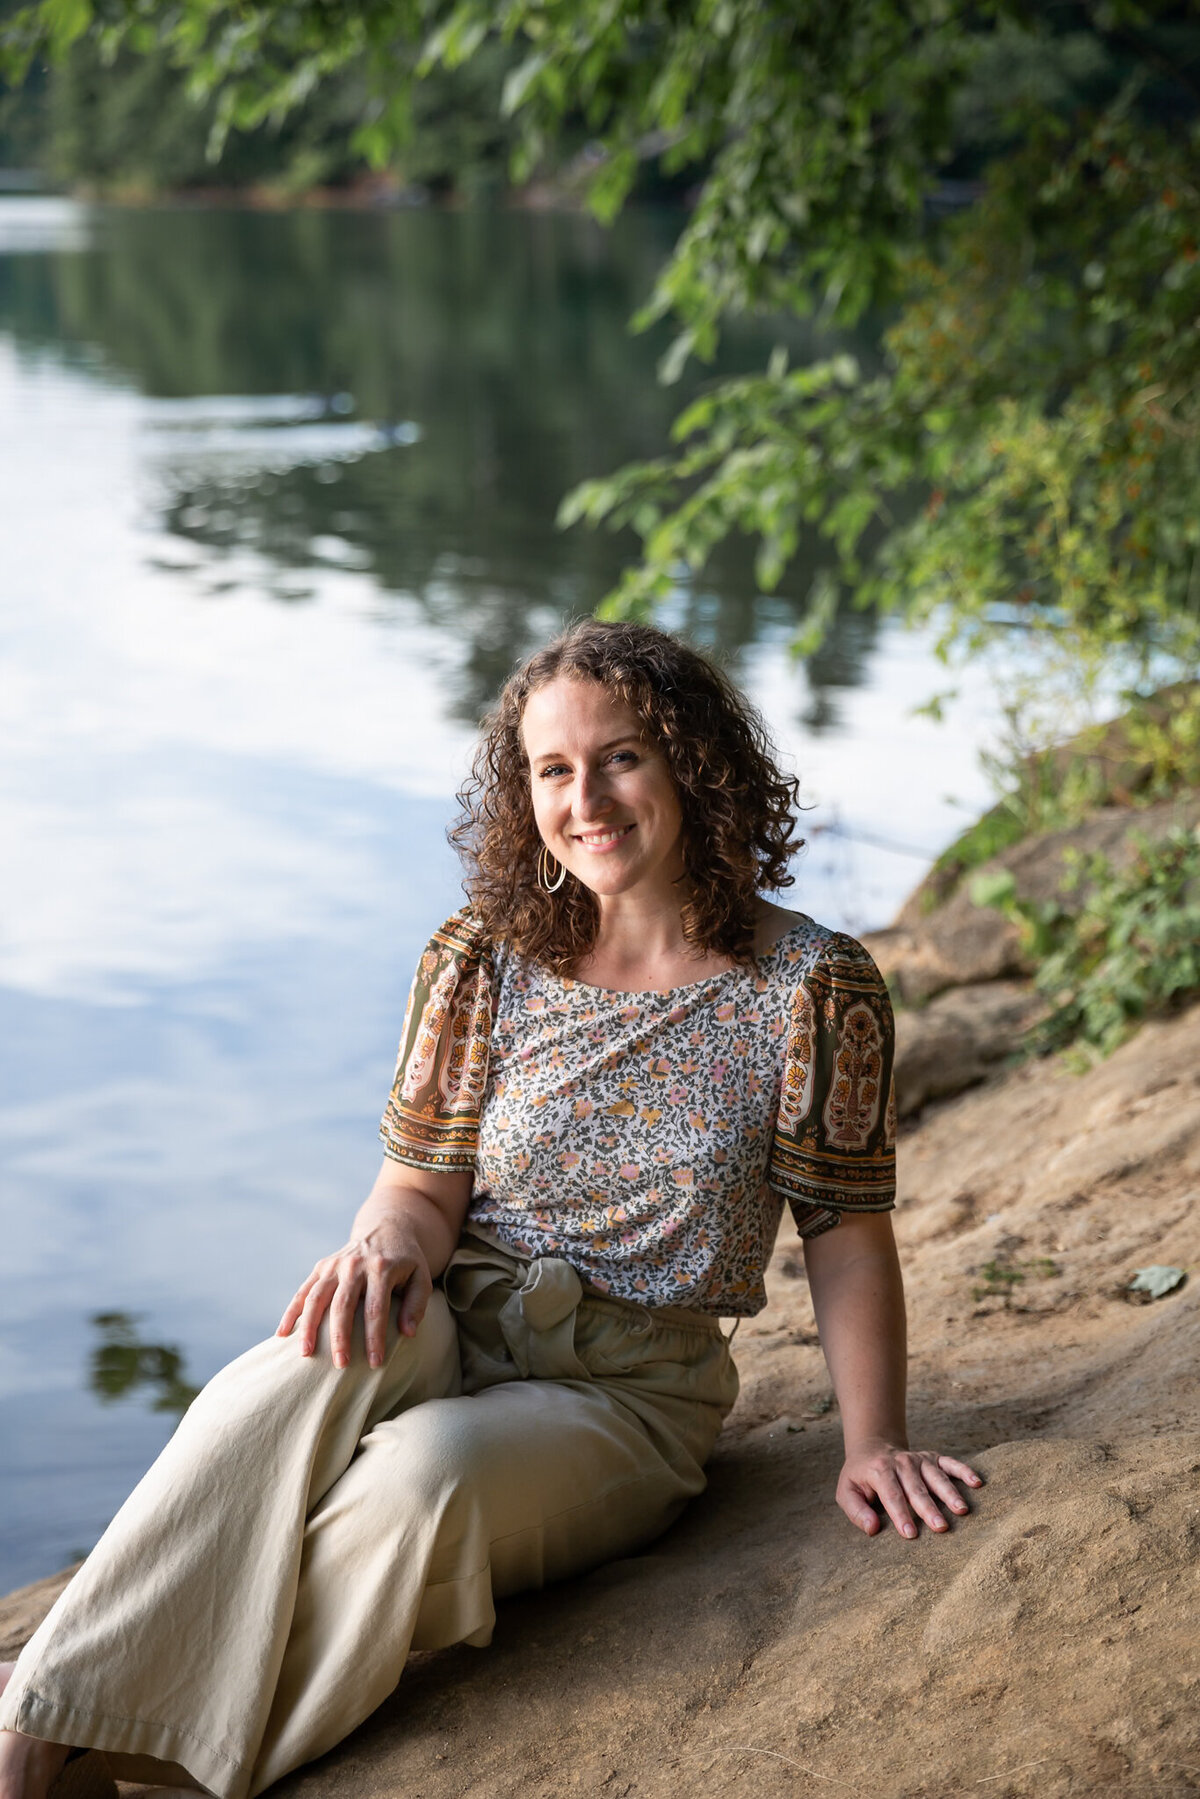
(376, 1358)
(339, 1360)
(910, 1530)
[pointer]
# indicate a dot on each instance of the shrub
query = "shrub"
(1128, 947)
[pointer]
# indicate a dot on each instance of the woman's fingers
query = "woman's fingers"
(343, 1282)
(942, 1486)
(416, 1298)
(342, 1308)
(382, 1278)
(908, 1484)
(859, 1509)
(315, 1306)
(914, 1476)
(895, 1503)
(296, 1305)
(960, 1470)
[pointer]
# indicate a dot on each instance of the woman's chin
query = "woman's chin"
(599, 888)
(622, 883)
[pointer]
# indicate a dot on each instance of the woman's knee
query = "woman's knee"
(270, 1370)
(426, 1364)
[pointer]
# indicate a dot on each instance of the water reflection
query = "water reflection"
(499, 340)
(121, 1364)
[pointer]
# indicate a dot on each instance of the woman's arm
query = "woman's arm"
(402, 1237)
(858, 1297)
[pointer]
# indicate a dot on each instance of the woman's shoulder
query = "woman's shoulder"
(463, 928)
(797, 947)
(774, 923)
(461, 943)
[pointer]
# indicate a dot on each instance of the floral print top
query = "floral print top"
(650, 1139)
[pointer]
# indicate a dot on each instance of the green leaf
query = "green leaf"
(671, 364)
(66, 21)
(519, 81)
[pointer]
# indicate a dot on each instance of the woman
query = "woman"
(616, 1064)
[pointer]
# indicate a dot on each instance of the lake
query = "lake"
(278, 517)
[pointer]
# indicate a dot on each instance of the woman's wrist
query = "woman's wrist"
(380, 1224)
(871, 1442)
(396, 1220)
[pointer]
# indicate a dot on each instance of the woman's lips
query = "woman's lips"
(599, 841)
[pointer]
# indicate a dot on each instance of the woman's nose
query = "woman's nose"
(591, 794)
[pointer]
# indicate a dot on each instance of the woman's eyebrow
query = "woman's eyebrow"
(613, 742)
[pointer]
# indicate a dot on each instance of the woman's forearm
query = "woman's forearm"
(858, 1298)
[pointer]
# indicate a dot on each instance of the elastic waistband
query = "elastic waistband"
(678, 1317)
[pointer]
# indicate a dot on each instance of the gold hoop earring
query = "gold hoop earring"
(543, 872)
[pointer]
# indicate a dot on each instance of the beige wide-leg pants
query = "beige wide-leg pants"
(256, 1596)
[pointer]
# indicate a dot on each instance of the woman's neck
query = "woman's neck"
(642, 946)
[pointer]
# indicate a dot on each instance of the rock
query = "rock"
(21, 1612)
(1153, 1283)
(1037, 862)
(959, 1038)
(1150, 751)
(959, 944)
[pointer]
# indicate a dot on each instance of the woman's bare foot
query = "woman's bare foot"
(27, 1766)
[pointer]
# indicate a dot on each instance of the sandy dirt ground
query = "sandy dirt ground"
(1048, 1646)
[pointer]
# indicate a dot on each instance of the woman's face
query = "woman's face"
(604, 799)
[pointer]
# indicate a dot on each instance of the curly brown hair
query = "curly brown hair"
(739, 824)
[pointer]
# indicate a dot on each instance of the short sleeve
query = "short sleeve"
(432, 1116)
(834, 1146)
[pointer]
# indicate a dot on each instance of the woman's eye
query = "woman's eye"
(553, 770)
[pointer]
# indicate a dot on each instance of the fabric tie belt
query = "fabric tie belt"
(534, 1304)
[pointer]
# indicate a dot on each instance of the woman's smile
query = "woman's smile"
(603, 840)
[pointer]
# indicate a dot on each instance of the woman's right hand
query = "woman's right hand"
(369, 1270)
(403, 1236)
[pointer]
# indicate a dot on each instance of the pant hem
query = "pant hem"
(56, 1722)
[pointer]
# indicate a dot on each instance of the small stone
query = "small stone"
(1155, 1282)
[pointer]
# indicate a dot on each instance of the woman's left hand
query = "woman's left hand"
(903, 1482)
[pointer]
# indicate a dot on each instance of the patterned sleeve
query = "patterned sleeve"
(834, 1147)
(432, 1115)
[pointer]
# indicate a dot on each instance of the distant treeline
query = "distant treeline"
(128, 128)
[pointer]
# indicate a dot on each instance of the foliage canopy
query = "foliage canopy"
(1014, 186)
